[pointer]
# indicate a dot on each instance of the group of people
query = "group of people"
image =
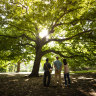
(58, 68)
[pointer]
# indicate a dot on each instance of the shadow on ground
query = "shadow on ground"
(20, 85)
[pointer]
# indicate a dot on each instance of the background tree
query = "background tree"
(66, 22)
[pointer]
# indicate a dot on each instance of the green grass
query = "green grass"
(84, 71)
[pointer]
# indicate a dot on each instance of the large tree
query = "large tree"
(24, 20)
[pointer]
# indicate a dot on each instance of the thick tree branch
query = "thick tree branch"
(22, 29)
(71, 22)
(59, 53)
(27, 44)
(64, 39)
(16, 37)
(28, 38)
(55, 24)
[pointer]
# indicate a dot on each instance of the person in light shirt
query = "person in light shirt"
(66, 73)
(58, 68)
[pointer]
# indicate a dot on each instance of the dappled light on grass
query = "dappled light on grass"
(26, 79)
(14, 80)
(15, 74)
(85, 83)
(93, 93)
(94, 84)
(82, 77)
(74, 78)
(19, 85)
(90, 93)
(9, 74)
(82, 91)
(94, 79)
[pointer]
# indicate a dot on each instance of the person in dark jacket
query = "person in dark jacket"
(47, 67)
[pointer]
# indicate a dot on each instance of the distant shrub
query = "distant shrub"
(2, 69)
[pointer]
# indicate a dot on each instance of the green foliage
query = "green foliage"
(22, 21)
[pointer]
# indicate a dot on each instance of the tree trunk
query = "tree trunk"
(35, 71)
(18, 66)
(38, 56)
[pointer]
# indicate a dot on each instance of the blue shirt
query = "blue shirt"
(58, 64)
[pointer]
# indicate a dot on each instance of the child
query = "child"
(66, 72)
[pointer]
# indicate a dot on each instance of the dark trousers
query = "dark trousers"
(46, 81)
(66, 76)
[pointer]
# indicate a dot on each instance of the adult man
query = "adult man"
(58, 68)
(47, 67)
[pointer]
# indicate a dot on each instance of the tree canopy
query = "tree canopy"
(68, 28)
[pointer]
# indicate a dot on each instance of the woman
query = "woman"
(66, 72)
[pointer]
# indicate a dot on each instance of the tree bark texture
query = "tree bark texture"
(18, 66)
(35, 70)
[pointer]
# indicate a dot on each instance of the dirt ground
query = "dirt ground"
(20, 85)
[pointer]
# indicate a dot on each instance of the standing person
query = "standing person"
(58, 68)
(47, 66)
(66, 72)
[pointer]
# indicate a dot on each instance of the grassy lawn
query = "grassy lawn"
(84, 71)
(83, 83)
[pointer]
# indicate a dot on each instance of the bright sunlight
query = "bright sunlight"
(43, 33)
